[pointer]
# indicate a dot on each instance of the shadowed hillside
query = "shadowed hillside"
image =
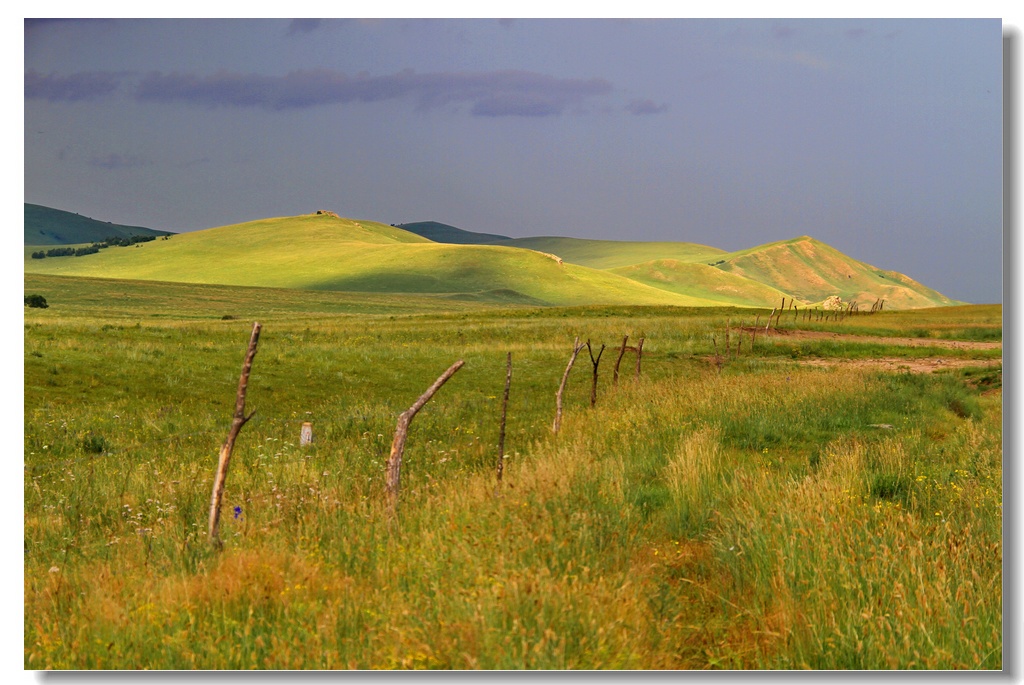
(47, 226)
(443, 233)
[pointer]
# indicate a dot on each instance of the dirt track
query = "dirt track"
(918, 365)
(908, 342)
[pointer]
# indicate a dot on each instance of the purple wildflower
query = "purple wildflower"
(238, 512)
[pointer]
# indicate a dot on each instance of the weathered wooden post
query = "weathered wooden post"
(639, 355)
(576, 347)
(769, 320)
(504, 411)
(394, 464)
(239, 420)
(595, 362)
(306, 434)
(622, 351)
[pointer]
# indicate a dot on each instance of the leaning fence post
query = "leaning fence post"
(576, 347)
(394, 465)
(504, 411)
(622, 351)
(239, 420)
(639, 355)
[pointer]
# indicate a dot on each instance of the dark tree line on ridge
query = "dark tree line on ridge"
(95, 247)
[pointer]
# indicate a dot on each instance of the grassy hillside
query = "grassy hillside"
(47, 226)
(443, 233)
(811, 271)
(322, 252)
(704, 281)
(610, 254)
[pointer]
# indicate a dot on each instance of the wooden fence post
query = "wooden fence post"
(622, 351)
(394, 464)
(239, 420)
(639, 355)
(595, 362)
(504, 411)
(306, 434)
(576, 347)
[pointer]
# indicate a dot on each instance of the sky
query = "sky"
(880, 137)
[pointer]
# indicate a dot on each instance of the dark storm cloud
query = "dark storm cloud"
(499, 93)
(638, 107)
(303, 26)
(86, 85)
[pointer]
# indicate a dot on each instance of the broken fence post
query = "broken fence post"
(239, 420)
(622, 351)
(576, 347)
(394, 465)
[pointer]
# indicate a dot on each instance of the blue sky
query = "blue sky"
(881, 137)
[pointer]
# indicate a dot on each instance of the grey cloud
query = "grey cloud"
(638, 107)
(855, 33)
(783, 32)
(115, 161)
(85, 85)
(496, 93)
(303, 26)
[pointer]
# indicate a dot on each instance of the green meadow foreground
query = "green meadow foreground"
(792, 505)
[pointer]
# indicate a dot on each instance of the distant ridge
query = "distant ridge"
(48, 226)
(323, 251)
(443, 233)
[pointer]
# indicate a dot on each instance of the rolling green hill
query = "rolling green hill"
(704, 281)
(47, 226)
(323, 252)
(810, 270)
(610, 254)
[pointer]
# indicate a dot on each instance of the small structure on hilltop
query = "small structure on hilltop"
(327, 213)
(832, 302)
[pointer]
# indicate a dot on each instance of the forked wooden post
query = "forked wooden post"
(239, 420)
(394, 465)
(622, 351)
(576, 347)
(504, 411)
(594, 362)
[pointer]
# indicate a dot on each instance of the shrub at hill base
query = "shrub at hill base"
(37, 301)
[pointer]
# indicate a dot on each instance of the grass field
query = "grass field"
(766, 514)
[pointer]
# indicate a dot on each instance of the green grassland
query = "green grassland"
(761, 515)
(610, 254)
(697, 279)
(47, 226)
